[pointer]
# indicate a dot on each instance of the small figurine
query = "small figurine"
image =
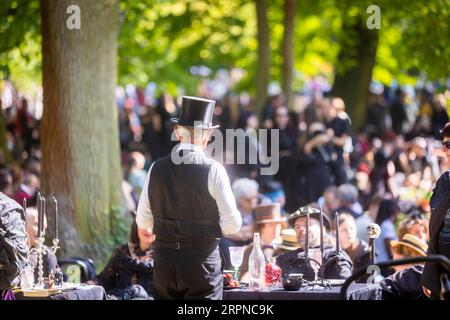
(58, 276)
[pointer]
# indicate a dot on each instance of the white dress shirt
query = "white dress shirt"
(218, 186)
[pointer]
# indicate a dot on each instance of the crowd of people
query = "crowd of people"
(382, 172)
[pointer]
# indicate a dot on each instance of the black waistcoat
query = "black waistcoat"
(181, 204)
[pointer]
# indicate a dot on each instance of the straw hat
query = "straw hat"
(413, 243)
(268, 213)
(288, 240)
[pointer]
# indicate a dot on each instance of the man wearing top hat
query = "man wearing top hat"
(187, 200)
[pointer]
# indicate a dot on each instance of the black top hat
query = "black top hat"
(196, 113)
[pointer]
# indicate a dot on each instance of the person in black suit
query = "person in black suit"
(439, 225)
(13, 242)
(188, 203)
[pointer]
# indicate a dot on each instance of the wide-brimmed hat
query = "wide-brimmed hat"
(412, 242)
(268, 213)
(289, 240)
(196, 113)
(313, 213)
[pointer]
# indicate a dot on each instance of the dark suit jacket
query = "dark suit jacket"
(404, 284)
(439, 203)
(292, 262)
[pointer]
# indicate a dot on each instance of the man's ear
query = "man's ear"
(177, 134)
(207, 136)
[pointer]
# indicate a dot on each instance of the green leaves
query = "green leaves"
(160, 40)
(19, 18)
(20, 42)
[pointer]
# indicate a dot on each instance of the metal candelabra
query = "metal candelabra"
(306, 212)
(39, 248)
(320, 280)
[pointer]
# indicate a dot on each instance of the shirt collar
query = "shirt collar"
(189, 146)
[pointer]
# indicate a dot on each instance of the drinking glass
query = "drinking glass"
(236, 257)
(27, 278)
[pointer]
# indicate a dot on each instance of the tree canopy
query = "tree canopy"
(161, 40)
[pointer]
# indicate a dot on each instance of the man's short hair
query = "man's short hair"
(343, 217)
(333, 190)
(445, 131)
(348, 193)
(191, 133)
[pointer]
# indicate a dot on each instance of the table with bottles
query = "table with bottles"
(265, 281)
(356, 291)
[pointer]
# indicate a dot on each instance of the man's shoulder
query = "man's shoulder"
(443, 181)
(194, 163)
(330, 253)
(158, 162)
(194, 158)
(8, 204)
(210, 161)
(214, 163)
(287, 256)
(441, 190)
(445, 178)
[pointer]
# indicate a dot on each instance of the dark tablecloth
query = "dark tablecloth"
(91, 293)
(86, 293)
(357, 291)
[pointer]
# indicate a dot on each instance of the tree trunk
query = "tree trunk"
(352, 85)
(79, 130)
(263, 64)
(288, 50)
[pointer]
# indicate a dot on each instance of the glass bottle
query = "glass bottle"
(257, 265)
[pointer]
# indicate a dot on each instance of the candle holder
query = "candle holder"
(40, 251)
(319, 269)
(319, 278)
(55, 246)
(324, 282)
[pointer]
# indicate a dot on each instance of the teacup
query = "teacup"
(293, 282)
